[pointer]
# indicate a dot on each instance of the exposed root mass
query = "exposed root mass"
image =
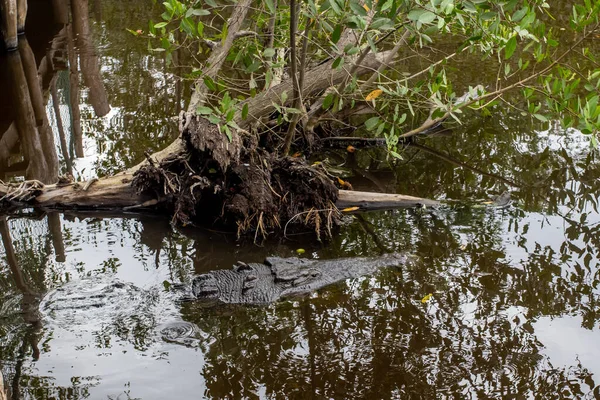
(235, 183)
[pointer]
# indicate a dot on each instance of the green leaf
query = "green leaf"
(200, 12)
(328, 101)
(422, 16)
(227, 132)
(160, 25)
(486, 16)
(517, 16)
(350, 49)
(204, 110)
(337, 33)
(270, 5)
(337, 63)
(427, 17)
(210, 83)
(396, 155)
(358, 9)
(245, 111)
(541, 117)
(386, 5)
(371, 123)
(510, 48)
(382, 24)
(268, 52)
(335, 7)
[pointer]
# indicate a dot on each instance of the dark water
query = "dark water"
(514, 290)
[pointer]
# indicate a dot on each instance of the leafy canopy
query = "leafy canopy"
(524, 54)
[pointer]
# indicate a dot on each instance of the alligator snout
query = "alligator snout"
(205, 286)
(307, 276)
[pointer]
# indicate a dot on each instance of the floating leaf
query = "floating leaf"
(427, 298)
(300, 251)
(349, 209)
(344, 184)
(374, 94)
(350, 149)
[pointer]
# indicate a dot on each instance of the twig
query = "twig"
(305, 212)
(89, 183)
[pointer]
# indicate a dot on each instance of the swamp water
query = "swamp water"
(513, 311)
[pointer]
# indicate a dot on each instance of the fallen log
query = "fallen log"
(116, 193)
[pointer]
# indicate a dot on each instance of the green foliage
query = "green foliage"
(549, 61)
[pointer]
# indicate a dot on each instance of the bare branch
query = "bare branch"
(219, 54)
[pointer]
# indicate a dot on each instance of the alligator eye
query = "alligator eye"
(315, 274)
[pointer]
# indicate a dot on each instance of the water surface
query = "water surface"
(514, 305)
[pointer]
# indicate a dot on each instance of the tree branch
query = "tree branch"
(219, 54)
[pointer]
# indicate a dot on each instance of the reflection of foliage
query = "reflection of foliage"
(492, 273)
(145, 96)
(373, 338)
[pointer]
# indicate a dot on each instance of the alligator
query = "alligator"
(276, 278)
(102, 300)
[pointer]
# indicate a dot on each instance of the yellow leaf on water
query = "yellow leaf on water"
(350, 209)
(350, 149)
(426, 298)
(300, 251)
(341, 181)
(374, 94)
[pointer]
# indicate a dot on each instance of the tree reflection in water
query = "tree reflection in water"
(494, 273)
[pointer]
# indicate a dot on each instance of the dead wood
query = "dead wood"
(367, 201)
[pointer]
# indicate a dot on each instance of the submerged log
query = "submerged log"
(367, 201)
